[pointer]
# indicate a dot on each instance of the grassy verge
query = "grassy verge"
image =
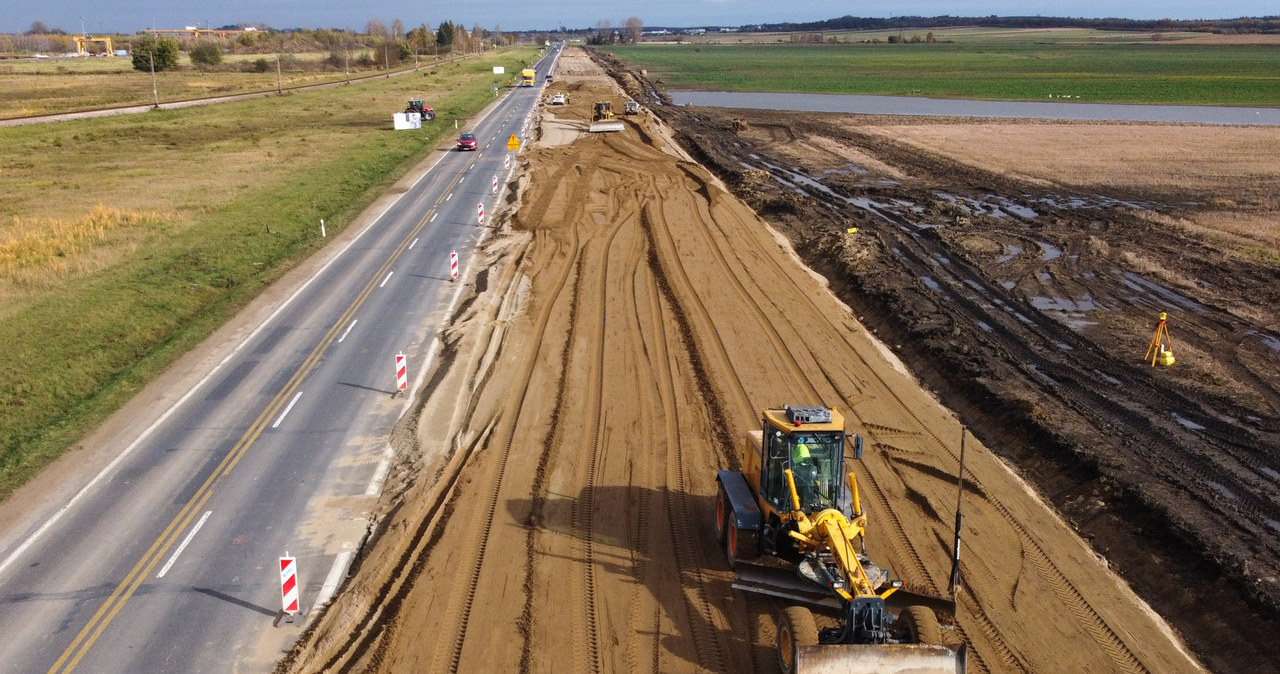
(1157, 72)
(228, 197)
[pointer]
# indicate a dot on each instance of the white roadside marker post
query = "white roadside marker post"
(289, 587)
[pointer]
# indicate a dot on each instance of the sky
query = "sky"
(130, 16)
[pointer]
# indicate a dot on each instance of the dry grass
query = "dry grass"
(38, 253)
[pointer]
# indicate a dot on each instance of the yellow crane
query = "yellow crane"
(82, 40)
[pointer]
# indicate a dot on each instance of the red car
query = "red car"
(467, 141)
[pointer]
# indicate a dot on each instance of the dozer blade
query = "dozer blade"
(605, 125)
(881, 659)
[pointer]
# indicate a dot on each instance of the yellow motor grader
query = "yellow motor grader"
(792, 531)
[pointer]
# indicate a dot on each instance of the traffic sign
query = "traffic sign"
(289, 585)
(513, 143)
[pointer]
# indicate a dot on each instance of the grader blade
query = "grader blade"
(881, 659)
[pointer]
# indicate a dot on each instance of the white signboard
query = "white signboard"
(498, 70)
(407, 120)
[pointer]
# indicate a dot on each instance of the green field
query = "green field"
(126, 240)
(999, 68)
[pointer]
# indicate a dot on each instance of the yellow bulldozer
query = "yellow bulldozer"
(602, 118)
(791, 530)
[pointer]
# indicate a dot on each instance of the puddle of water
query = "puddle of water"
(1050, 252)
(1024, 319)
(1019, 210)
(933, 285)
(1110, 380)
(1138, 283)
(1042, 375)
(1063, 346)
(1185, 422)
(1044, 276)
(1271, 473)
(942, 258)
(1011, 251)
(1042, 303)
(1271, 341)
(974, 284)
(1273, 524)
(985, 326)
(1009, 285)
(1222, 490)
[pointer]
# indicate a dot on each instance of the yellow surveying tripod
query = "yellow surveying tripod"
(1158, 352)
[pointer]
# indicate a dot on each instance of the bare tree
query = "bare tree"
(376, 28)
(397, 29)
(603, 30)
(634, 28)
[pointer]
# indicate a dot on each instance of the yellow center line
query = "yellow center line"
(105, 614)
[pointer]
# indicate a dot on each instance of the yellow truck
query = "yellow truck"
(527, 76)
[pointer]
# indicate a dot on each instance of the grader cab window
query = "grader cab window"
(815, 464)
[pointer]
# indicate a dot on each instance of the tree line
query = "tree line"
(379, 44)
(1266, 24)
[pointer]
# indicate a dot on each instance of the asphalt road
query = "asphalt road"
(167, 560)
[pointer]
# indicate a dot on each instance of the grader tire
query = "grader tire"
(723, 512)
(795, 628)
(921, 625)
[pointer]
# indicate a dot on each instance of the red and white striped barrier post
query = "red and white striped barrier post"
(289, 586)
(402, 379)
(506, 162)
(453, 265)
(480, 212)
(495, 184)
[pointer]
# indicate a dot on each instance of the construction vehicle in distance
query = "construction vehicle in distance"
(602, 118)
(791, 530)
(631, 108)
(416, 105)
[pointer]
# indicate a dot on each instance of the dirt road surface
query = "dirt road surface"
(553, 506)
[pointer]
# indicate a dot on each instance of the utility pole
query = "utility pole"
(155, 92)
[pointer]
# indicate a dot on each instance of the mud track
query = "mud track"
(1028, 308)
(634, 316)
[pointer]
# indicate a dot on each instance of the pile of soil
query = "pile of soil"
(1027, 305)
